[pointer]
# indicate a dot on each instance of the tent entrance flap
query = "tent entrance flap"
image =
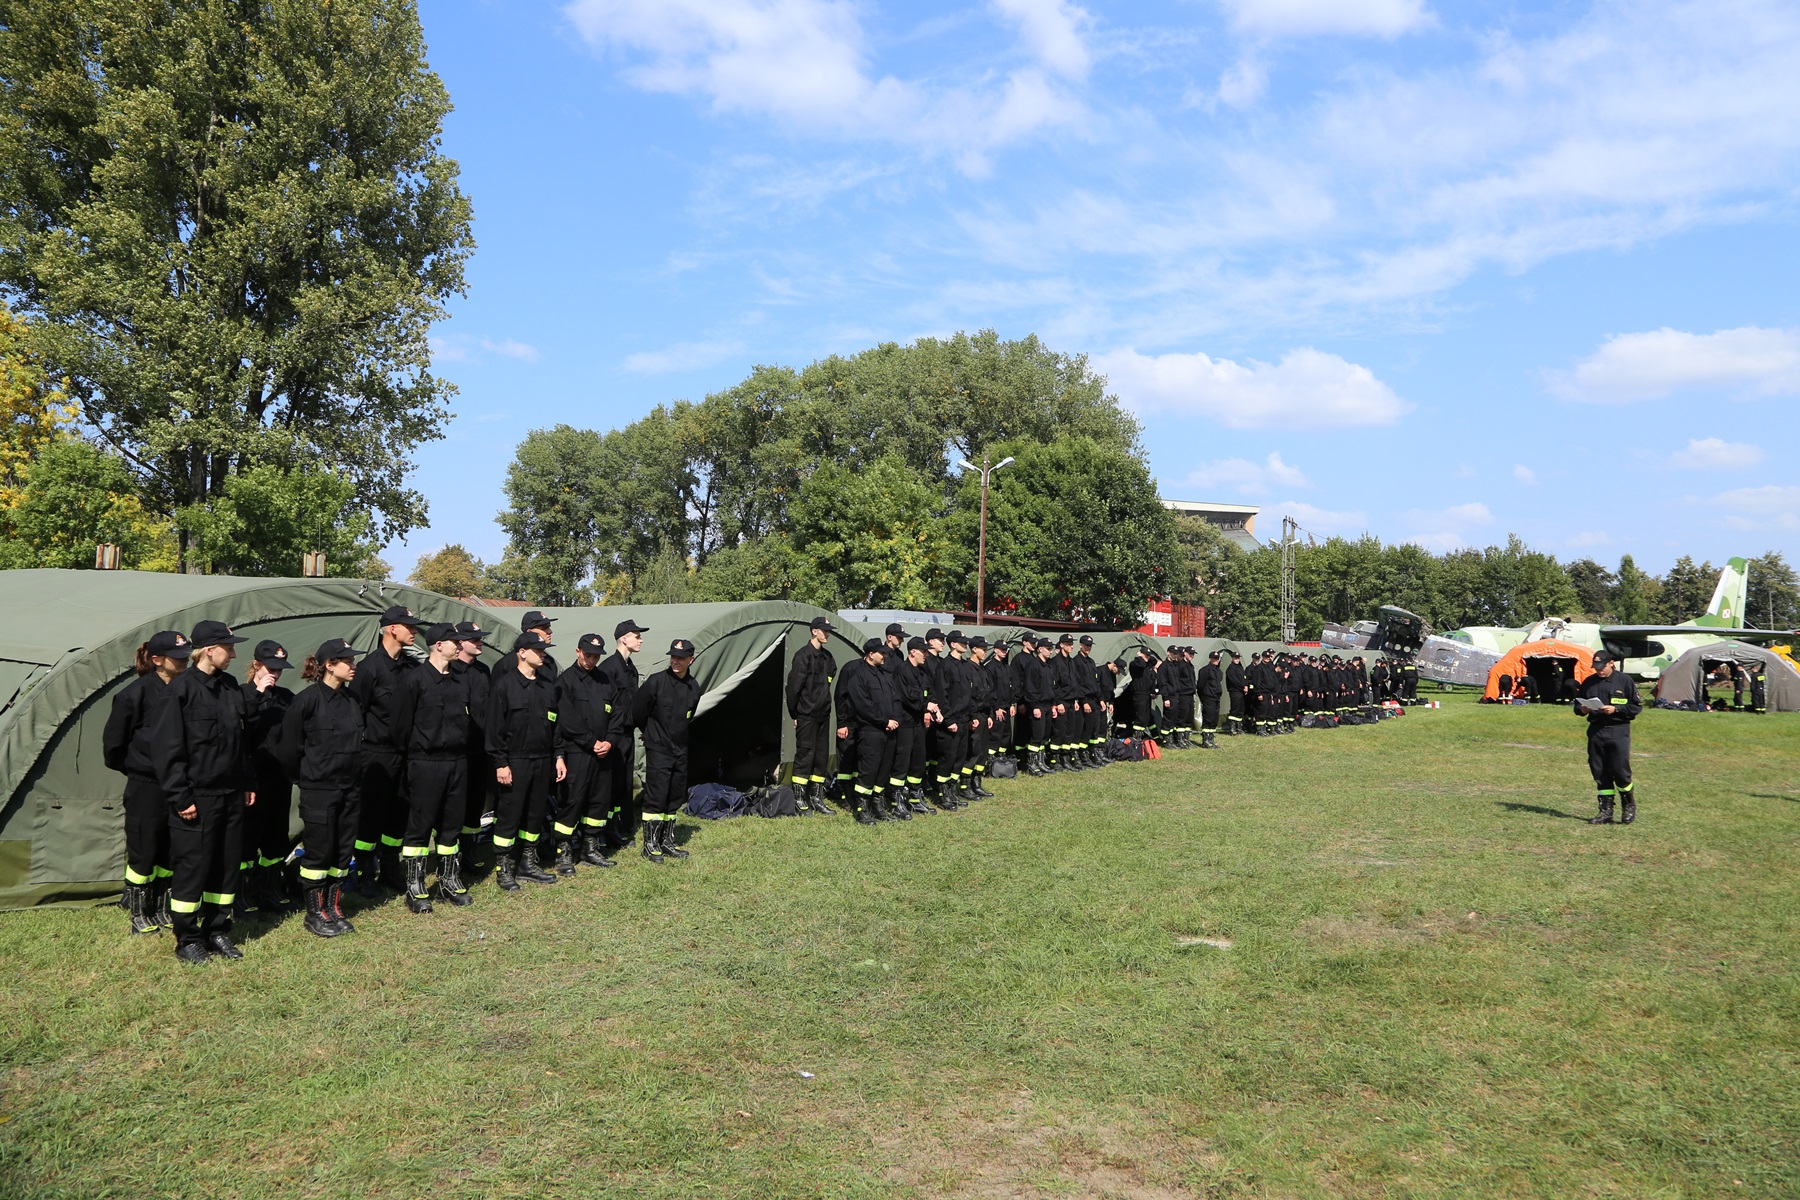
(736, 736)
(1554, 677)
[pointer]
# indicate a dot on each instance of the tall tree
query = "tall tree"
(1686, 591)
(267, 519)
(1773, 594)
(1633, 594)
(452, 571)
(75, 496)
(235, 224)
(1593, 586)
(873, 537)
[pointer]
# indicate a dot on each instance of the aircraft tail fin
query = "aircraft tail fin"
(1727, 607)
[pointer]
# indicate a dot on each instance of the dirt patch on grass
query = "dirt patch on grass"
(1023, 1153)
(1366, 929)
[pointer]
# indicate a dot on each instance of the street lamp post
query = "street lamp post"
(981, 553)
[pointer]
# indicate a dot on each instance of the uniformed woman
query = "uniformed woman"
(266, 840)
(127, 749)
(1610, 702)
(321, 749)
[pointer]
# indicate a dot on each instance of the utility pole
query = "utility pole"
(1290, 536)
(981, 552)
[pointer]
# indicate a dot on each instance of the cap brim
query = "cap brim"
(181, 651)
(277, 664)
(224, 641)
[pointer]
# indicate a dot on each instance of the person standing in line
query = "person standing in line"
(956, 699)
(1062, 713)
(1234, 691)
(909, 739)
(1018, 667)
(203, 766)
(266, 841)
(320, 748)
(622, 672)
(1210, 685)
(664, 710)
(126, 748)
(535, 622)
(873, 718)
(1038, 702)
(383, 781)
(478, 773)
(809, 707)
(981, 718)
(431, 723)
(589, 715)
(1005, 699)
(1090, 687)
(521, 733)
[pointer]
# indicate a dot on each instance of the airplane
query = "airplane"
(1466, 655)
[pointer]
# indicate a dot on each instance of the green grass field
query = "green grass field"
(1436, 982)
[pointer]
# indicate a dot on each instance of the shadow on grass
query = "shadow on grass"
(1774, 796)
(1509, 806)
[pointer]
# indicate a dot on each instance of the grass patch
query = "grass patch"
(1359, 962)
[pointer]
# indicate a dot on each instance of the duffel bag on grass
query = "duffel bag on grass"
(1004, 768)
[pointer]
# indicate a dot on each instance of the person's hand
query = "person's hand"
(503, 776)
(843, 731)
(249, 799)
(600, 748)
(265, 679)
(1608, 709)
(189, 813)
(796, 723)
(1037, 714)
(893, 725)
(952, 728)
(562, 770)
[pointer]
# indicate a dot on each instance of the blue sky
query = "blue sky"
(1437, 271)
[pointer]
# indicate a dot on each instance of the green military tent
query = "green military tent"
(70, 643)
(742, 652)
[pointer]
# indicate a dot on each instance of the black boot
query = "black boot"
(966, 790)
(818, 801)
(593, 852)
(138, 906)
(565, 856)
(417, 898)
(878, 806)
(195, 954)
(897, 805)
(915, 800)
(652, 848)
(1209, 740)
(450, 887)
(334, 906)
(863, 810)
(163, 917)
(393, 870)
(368, 874)
(318, 923)
(981, 789)
(1034, 763)
(528, 866)
(1606, 812)
(946, 797)
(274, 895)
(1627, 807)
(506, 871)
(219, 942)
(669, 848)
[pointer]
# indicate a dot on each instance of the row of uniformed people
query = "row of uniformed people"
(394, 759)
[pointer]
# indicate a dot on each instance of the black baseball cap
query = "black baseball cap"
(338, 648)
(169, 643)
(1118, 664)
(445, 632)
(978, 642)
(1602, 657)
(272, 656)
(536, 620)
(917, 644)
(957, 637)
(822, 623)
(628, 626)
(214, 633)
(591, 643)
(469, 631)
(399, 614)
(681, 648)
(531, 640)
(1067, 639)
(1028, 639)
(897, 628)
(1085, 639)
(934, 634)
(1213, 654)
(874, 646)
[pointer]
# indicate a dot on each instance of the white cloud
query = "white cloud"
(805, 63)
(1307, 387)
(1715, 454)
(1298, 18)
(460, 347)
(1644, 366)
(1448, 528)
(1252, 479)
(1525, 475)
(1052, 29)
(1587, 539)
(1243, 82)
(508, 348)
(1318, 521)
(1769, 506)
(684, 356)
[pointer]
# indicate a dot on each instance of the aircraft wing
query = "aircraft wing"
(1638, 633)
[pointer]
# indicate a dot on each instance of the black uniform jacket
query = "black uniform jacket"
(521, 718)
(1234, 677)
(955, 692)
(431, 718)
(1040, 688)
(809, 682)
(909, 690)
(549, 671)
(375, 686)
(477, 682)
(262, 731)
(869, 700)
(623, 673)
(197, 742)
(1002, 682)
(663, 709)
(588, 710)
(1210, 682)
(321, 737)
(1616, 689)
(125, 745)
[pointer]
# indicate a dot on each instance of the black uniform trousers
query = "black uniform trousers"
(146, 831)
(1037, 729)
(1001, 737)
(874, 758)
(266, 840)
(522, 810)
(383, 816)
(846, 759)
(1609, 758)
(436, 793)
(665, 783)
(979, 733)
(586, 796)
(812, 749)
(1060, 737)
(952, 750)
(1209, 714)
(909, 750)
(1237, 705)
(328, 818)
(621, 813)
(478, 791)
(204, 854)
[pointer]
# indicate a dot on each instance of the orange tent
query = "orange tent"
(1552, 656)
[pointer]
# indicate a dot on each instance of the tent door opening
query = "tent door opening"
(1553, 677)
